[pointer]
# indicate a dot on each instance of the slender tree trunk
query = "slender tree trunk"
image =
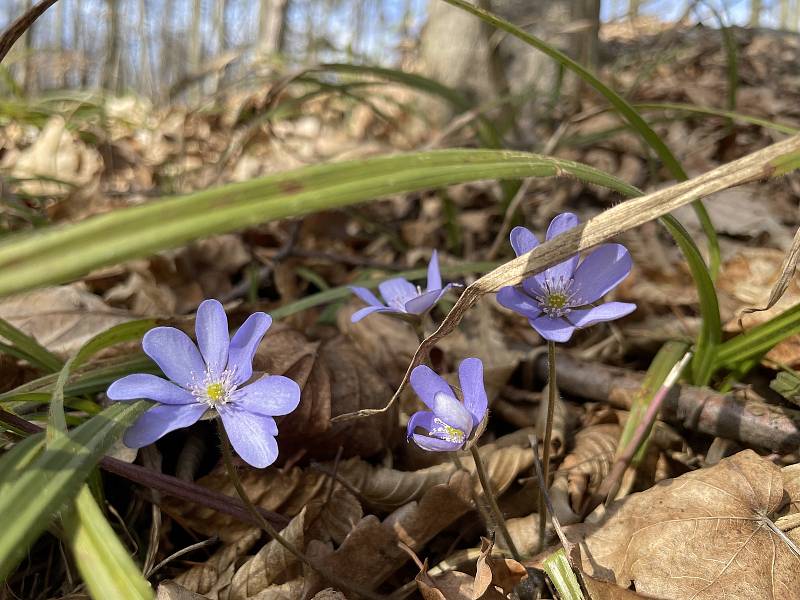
(145, 73)
(633, 8)
(755, 13)
(196, 46)
(60, 46)
(784, 14)
(221, 28)
(112, 76)
(271, 26)
(28, 77)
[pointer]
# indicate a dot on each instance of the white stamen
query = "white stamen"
(558, 298)
(446, 432)
(212, 390)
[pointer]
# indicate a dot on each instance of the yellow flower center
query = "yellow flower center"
(215, 392)
(557, 300)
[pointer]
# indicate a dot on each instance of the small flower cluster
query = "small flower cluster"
(216, 376)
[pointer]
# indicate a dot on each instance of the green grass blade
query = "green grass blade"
(666, 358)
(21, 455)
(119, 333)
(104, 563)
(29, 348)
(561, 575)
(32, 495)
(710, 335)
(623, 107)
(758, 340)
(728, 114)
(57, 254)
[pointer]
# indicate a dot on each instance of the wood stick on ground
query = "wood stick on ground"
(751, 422)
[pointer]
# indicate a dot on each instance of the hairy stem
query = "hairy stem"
(498, 516)
(227, 457)
(548, 432)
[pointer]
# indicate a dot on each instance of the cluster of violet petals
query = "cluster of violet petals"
(561, 299)
(402, 297)
(215, 377)
(448, 425)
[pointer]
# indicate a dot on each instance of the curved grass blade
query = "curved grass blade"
(115, 335)
(104, 563)
(710, 335)
(29, 348)
(31, 496)
(57, 254)
(728, 114)
(758, 340)
(622, 106)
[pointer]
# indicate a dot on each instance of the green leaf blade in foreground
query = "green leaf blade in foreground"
(33, 494)
(104, 563)
(58, 254)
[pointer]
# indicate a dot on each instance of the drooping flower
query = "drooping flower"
(402, 297)
(214, 378)
(449, 425)
(562, 298)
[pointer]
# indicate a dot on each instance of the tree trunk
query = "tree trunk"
(145, 73)
(459, 50)
(60, 75)
(112, 75)
(271, 26)
(755, 13)
(28, 75)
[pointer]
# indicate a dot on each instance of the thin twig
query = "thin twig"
(498, 516)
(212, 540)
(21, 25)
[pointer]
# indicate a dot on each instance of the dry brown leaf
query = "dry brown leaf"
(329, 594)
(700, 535)
(604, 590)
(216, 573)
(322, 520)
(371, 552)
(386, 342)
(288, 491)
(583, 469)
(747, 279)
(169, 590)
(335, 379)
(61, 318)
(452, 585)
(56, 154)
(503, 573)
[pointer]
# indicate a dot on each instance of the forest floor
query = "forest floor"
(356, 496)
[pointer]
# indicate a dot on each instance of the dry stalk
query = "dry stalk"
(768, 162)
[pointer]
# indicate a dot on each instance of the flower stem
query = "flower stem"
(552, 390)
(227, 457)
(498, 516)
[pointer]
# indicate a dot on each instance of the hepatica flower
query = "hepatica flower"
(562, 299)
(449, 424)
(213, 378)
(402, 297)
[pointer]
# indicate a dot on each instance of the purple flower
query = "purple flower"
(212, 378)
(449, 423)
(403, 297)
(561, 299)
